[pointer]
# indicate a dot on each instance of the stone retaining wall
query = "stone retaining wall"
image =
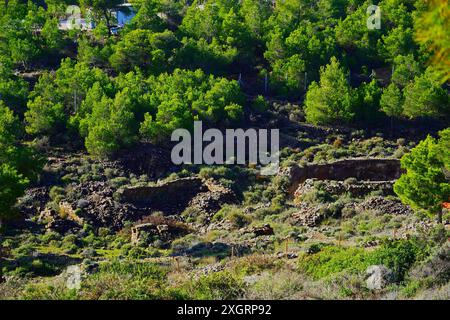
(363, 169)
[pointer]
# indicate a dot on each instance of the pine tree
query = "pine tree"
(330, 100)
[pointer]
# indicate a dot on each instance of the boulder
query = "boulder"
(73, 275)
(265, 230)
(379, 277)
(82, 204)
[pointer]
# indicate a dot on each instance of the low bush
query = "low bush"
(330, 260)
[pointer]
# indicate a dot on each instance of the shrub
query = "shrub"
(56, 193)
(118, 182)
(221, 285)
(330, 260)
(398, 255)
(260, 104)
(234, 215)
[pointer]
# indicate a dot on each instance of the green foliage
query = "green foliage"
(330, 101)
(44, 117)
(22, 44)
(144, 49)
(178, 99)
(426, 97)
(444, 147)
(406, 68)
(18, 164)
(296, 59)
(111, 125)
(431, 29)
(52, 36)
(401, 255)
(399, 41)
(100, 10)
(234, 215)
(147, 15)
(424, 185)
(398, 255)
(260, 104)
(215, 31)
(330, 260)
(13, 89)
(55, 96)
(367, 107)
(391, 102)
(13, 186)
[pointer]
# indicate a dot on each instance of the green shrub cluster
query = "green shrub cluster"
(398, 255)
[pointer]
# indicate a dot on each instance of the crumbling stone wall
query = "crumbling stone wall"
(363, 169)
(170, 195)
(355, 188)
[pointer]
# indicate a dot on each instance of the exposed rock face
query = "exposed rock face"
(100, 202)
(212, 268)
(100, 208)
(379, 277)
(34, 200)
(371, 169)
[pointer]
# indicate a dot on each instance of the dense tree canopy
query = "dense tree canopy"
(179, 99)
